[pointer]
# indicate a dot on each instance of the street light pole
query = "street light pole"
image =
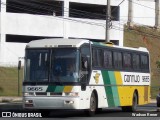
(108, 12)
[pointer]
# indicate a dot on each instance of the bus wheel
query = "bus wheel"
(93, 105)
(133, 107)
(134, 102)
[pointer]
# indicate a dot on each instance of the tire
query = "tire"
(158, 104)
(93, 105)
(133, 107)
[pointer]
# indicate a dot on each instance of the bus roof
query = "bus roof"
(143, 49)
(57, 42)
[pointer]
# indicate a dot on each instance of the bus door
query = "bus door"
(85, 66)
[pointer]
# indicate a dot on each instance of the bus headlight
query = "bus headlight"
(28, 94)
(73, 94)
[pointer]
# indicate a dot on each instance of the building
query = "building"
(24, 20)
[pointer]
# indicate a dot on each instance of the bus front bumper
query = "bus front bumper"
(51, 103)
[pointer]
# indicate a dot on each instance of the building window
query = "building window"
(39, 7)
(92, 11)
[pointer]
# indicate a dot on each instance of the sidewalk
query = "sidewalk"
(19, 99)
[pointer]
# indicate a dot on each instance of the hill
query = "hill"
(142, 36)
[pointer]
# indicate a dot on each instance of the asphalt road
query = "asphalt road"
(15, 110)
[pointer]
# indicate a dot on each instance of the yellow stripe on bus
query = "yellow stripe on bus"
(119, 86)
(67, 88)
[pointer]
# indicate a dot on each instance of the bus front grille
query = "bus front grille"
(47, 94)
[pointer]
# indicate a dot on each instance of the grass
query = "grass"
(140, 36)
(9, 81)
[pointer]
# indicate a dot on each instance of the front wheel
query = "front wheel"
(93, 105)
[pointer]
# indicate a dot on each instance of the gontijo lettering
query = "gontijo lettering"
(131, 78)
(135, 78)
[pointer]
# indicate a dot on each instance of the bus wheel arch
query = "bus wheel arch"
(135, 102)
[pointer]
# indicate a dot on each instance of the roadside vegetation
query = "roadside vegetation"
(9, 81)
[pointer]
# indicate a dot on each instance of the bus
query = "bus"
(76, 74)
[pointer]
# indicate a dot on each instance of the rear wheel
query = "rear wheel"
(93, 105)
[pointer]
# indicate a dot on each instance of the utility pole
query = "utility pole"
(157, 13)
(108, 12)
(130, 13)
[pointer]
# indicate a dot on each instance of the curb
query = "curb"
(10, 99)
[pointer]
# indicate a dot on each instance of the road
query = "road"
(144, 112)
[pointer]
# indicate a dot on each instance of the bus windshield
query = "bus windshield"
(51, 65)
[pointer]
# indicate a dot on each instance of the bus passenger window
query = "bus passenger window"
(107, 59)
(127, 60)
(144, 62)
(117, 60)
(136, 61)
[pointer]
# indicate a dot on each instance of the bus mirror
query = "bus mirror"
(19, 65)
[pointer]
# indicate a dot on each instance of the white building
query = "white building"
(24, 20)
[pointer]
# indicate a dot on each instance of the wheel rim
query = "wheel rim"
(93, 103)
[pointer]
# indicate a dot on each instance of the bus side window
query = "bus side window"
(97, 57)
(136, 62)
(107, 59)
(127, 60)
(144, 62)
(94, 59)
(117, 60)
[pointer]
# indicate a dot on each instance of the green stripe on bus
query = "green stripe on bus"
(114, 88)
(51, 88)
(108, 89)
(57, 89)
